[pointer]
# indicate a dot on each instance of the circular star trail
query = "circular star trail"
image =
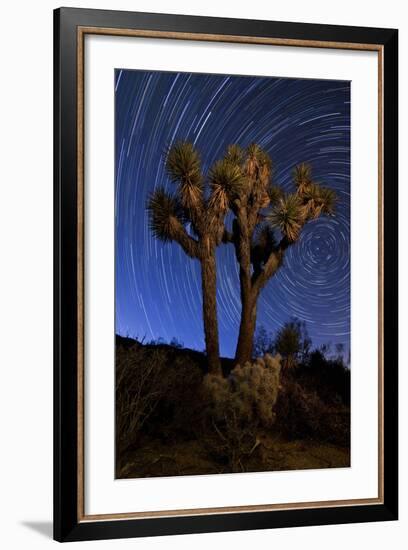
(158, 289)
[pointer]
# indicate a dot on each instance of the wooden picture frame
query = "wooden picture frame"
(70, 520)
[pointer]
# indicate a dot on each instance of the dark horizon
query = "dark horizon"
(158, 289)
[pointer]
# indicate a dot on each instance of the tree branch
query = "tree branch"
(180, 235)
(243, 249)
(271, 265)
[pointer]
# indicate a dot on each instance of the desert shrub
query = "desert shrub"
(157, 394)
(142, 379)
(302, 414)
(239, 405)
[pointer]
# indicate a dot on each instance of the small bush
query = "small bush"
(301, 414)
(141, 382)
(239, 405)
(156, 394)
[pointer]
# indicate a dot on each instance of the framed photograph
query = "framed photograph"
(225, 274)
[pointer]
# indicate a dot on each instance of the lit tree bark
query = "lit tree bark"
(209, 285)
(204, 251)
(242, 239)
(246, 331)
(249, 298)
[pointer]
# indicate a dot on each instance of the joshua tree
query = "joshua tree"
(267, 221)
(193, 217)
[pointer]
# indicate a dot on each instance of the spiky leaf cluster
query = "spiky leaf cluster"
(316, 199)
(256, 156)
(328, 200)
(235, 154)
(226, 183)
(165, 214)
(275, 193)
(302, 176)
(288, 216)
(183, 167)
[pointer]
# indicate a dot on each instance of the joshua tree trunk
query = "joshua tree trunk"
(242, 243)
(209, 282)
(246, 329)
(251, 285)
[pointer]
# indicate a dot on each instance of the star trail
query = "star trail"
(157, 288)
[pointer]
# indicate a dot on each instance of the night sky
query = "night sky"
(158, 288)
